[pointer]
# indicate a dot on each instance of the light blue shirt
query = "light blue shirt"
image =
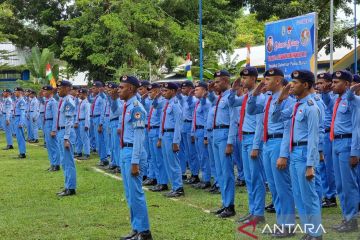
(83, 113)
(66, 115)
(173, 119)
(134, 128)
(7, 108)
(51, 112)
(97, 106)
(34, 109)
(19, 111)
(202, 110)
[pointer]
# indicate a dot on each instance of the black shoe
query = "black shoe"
(83, 158)
(184, 177)
(56, 168)
(244, 218)
(328, 203)
(35, 141)
(8, 147)
(159, 188)
(103, 163)
(202, 185)
(117, 170)
(76, 155)
(50, 168)
(22, 155)
(216, 190)
(228, 212)
(213, 188)
(270, 208)
(174, 194)
(112, 167)
(218, 211)
(313, 238)
(93, 150)
(348, 226)
(255, 219)
(67, 192)
(129, 236)
(240, 183)
(146, 235)
(194, 179)
(149, 182)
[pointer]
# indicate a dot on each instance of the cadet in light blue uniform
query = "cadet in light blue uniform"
(146, 102)
(7, 115)
(74, 94)
(66, 137)
(27, 99)
(304, 150)
(50, 128)
(250, 132)
(276, 149)
(34, 113)
(215, 189)
(170, 137)
(224, 133)
(20, 121)
(326, 167)
(198, 130)
(187, 102)
(82, 123)
(344, 132)
(153, 128)
(41, 122)
(104, 122)
(97, 108)
(133, 157)
(116, 106)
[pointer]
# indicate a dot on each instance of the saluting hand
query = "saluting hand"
(284, 93)
(310, 173)
(236, 84)
(135, 171)
(229, 149)
(355, 88)
(76, 125)
(354, 161)
(175, 147)
(281, 163)
(259, 88)
(206, 141)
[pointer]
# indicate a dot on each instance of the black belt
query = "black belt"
(96, 115)
(209, 130)
(187, 121)
(327, 130)
(169, 130)
(341, 136)
(248, 133)
(107, 115)
(48, 119)
(41, 112)
(153, 127)
(127, 145)
(297, 144)
(221, 126)
(32, 111)
(81, 119)
(61, 128)
(199, 127)
(17, 115)
(114, 119)
(4, 112)
(275, 135)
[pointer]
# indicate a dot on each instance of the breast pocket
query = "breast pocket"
(343, 108)
(299, 116)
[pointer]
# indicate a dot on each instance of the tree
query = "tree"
(37, 62)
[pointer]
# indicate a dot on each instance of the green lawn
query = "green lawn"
(30, 209)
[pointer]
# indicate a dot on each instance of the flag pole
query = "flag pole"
(200, 41)
(355, 40)
(331, 36)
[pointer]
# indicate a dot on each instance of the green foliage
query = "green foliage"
(37, 62)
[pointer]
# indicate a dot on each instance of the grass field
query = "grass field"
(30, 209)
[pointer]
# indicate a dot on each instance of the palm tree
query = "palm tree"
(37, 62)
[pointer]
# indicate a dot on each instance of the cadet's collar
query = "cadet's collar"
(131, 100)
(305, 99)
(276, 95)
(227, 92)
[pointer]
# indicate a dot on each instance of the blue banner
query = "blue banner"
(291, 44)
